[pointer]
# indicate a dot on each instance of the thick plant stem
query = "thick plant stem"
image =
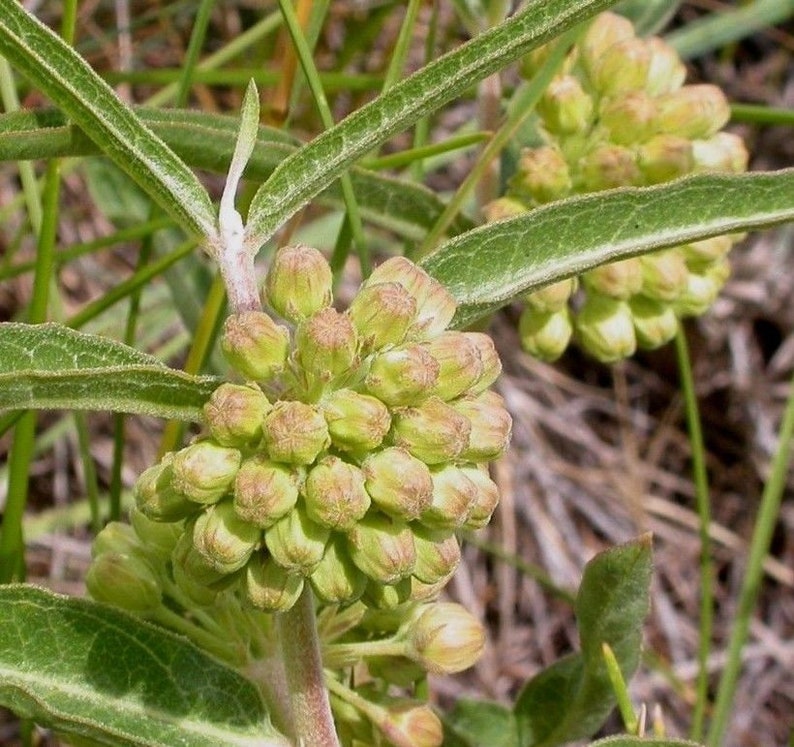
(300, 648)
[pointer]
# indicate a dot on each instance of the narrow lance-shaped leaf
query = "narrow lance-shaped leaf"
(487, 267)
(97, 673)
(314, 166)
(47, 366)
(66, 78)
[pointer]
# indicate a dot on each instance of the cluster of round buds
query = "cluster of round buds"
(619, 114)
(350, 455)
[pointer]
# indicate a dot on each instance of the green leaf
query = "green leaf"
(479, 723)
(95, 672)
(48, 366)
(67, 79)
(316, 165)
(627, 741)
(571, 699)
(487, 267)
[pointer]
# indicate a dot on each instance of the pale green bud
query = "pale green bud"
(158, 536)
(696, 111)
(336, 579)
(298, 282)
(666, 72)
(605, 329)
(724, 152)
(444, 638)
(422, 592)
(326, 345)
(609, 166)
(461, 365)
(437, 554)
(295, 432)
(542, 174)
(565, 106)
(631, 118)
(223, 539)
(545, 334)
(268, 587)
(605, 30)
(655, 323)
(664, 275)
(264, 491)
(702, 289)
(487, 498)
(491, 426)
(707, 250)
(621, 67)
(156, 497)
(123, 580)
(402, 376)
(491, 365)
(296, 542)
(503, 208)
(433, 432)
(454, 494)
(382, 596)
(192, 570)
(398, 483)
(553, 297)
(356, 422)
(119, 538)
(382, 549)
(234, 414)
(382, 313)
(204, 471)
(412, 724)
(254, 345)
(665, 157)
(621, 279)
(335, 495)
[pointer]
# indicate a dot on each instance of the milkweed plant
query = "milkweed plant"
(277, 576)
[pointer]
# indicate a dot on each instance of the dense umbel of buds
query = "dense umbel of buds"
(619, 114)
(347, 456)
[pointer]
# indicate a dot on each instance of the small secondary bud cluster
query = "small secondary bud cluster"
(354, 449)
(617, 115)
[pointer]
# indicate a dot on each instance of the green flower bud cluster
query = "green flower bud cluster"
(355, 448)
(617, 115)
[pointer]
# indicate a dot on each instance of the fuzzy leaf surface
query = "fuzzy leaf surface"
(479, 723)
(48, 366)
(97, 673)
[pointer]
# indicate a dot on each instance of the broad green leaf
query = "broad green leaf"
(97, 673)
(627, 741)
(487, 267)
(67, 79)
(206, 141)
(316, 165)
(571, 699)
(479, 723)
(48, 366)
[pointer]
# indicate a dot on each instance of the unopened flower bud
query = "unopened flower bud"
(382, 313)
(264, 491)
(255, 345)
(706, 251)
(356, 422)
(295, 432)
(491, 426)
(545, 334)
(631, 118)
(192, 570)
(412, 724)
(542, 175)
(204, 471)
(156, 497)
(433, 432)
(487, 498)
(665, 157)
(398, 483)
(437, 554)
(565, 107)
(723, 152)
(268, 586)
(234, 414)
(461, 365)
(454, 494)
(655, 323)
(621, 67)
(223, 539)
(335, 495)
(326, 344)
(491, 365)
(605, 329)
(402, 376)
(696, 111)
(609, 166)
(119, 538)
(605, 30)
(123, 580)
(664, 275)
(298, 282)
(444, 638)
(422, 592)
(158, 536)
(296, 542)
(383, 549)
(336, 579)
(702, 289)
(503, 208)
(621, 279)
(380, 596)
(666, 72)
(553, 297)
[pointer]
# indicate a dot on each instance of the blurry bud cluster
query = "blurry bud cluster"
(619, 114)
